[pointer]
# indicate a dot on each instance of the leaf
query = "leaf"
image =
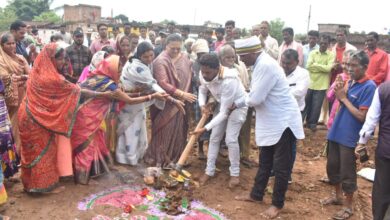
(142, 208)
(152, 217)
(184, 202)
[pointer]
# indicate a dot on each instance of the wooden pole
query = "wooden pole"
(191, 141)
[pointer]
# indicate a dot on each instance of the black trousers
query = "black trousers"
(278, 157)
(381, 188)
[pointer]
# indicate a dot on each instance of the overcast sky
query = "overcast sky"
(362, 15)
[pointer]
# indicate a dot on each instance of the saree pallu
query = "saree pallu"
(9, 158)
(91, 155)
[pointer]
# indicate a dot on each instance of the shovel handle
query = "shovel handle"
(191, 141)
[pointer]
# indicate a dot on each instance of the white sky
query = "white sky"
(362, 15)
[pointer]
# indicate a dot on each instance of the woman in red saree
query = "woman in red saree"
(48, 110)
(172, 70)
(91, 155)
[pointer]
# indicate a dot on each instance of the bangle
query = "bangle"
(182, 94)
(149, 97)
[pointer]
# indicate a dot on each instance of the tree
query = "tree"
(301, 38)
(275, 29)
(26, 10)
(7, 16)
(48, 16)
(123, 18)
(244, 33)
(166, 21)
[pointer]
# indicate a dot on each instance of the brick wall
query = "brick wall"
(82, 13)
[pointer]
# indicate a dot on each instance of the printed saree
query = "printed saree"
(91, 155)
(132, 132)
(8, 156)
(49, 109)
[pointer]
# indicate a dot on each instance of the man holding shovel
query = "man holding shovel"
(225, 86)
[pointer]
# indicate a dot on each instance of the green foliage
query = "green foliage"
(301, 38)
(7, 16)
(166, 21)
(275, 30)
(48, 16)
(123, 18)
(244, 33)
(26, 10)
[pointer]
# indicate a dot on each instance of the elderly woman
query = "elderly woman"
(172, 70)
(14, 72)
(48, 110)
(91, 155)
(137, 76)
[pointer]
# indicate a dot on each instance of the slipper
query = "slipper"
(324, 179)
(343, 214)
(248, 163)
(331, 201)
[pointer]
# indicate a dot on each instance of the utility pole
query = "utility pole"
(308, 20)
(195, 16)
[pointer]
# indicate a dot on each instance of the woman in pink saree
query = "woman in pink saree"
(172, 70)
(91, 155)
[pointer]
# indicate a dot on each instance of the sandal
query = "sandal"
(343, 214)
(331, 201)
(324, 179)
(248, 163)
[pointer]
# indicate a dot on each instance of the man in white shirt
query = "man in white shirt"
(143, 35)
(299, 80)
(278, 122)
(226, 88)
(270, 45)
(297, 77)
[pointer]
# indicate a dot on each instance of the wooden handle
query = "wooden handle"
(191, 141)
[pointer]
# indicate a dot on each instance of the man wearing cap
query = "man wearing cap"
(278, 122)
(80, 56)
(225, 86)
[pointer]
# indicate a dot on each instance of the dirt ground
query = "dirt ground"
(302, 200)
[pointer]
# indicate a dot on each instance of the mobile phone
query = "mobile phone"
(363, 154)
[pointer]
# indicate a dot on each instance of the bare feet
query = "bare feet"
(203, 179)
(3, 217)
(271, 213)
(246, 198)
(13, 180)
(234, 181)
(92, 182)
(57, 190)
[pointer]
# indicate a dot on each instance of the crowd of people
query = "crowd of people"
(71, 108)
